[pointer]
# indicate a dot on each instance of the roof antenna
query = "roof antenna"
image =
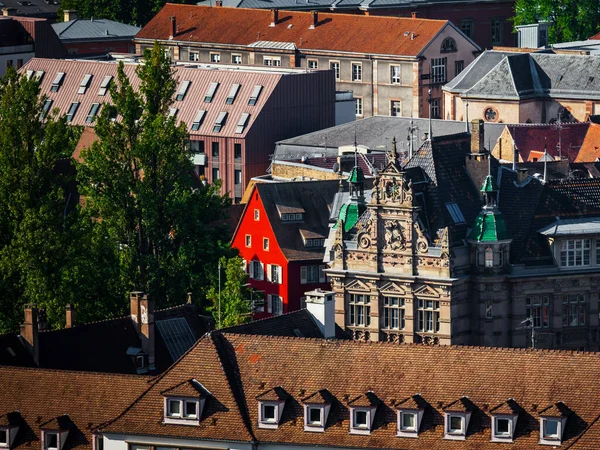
(545, 160)
(467, 117)
(429, 101)
(515, 156)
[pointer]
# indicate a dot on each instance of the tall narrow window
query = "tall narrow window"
(459, 66)
(232, 94)
(85, 82)
(393, 313)
(438, 70)
(429, 316)
(210, 93)
(489, 257)
(358, 106)
(496, 25)
(215, 150)
(467, 26)
(237, 151)
(538, 309)
(356, 71)
(360, 310)
(573, 310)
(93, 112)
(335, 66)
(396, 108)
(183, 88)
(395, 75)
(45, 108)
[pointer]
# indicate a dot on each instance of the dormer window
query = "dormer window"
(9, 428)
(3, 437)
(456, 419)
(185, 402)
(270, 407)
(410, 415)
(553, 421)
(50, 440)
(55, 432)
(362, 413)
(504, 421)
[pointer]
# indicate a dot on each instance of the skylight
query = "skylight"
(72, 111)
(104, 85)
(56, 84)
(220, 122)
(455, 213)
(93, 111)
(197, 123)
(232, 94)
(210, 93)
(255, 94)
(84, 83)
(183, 90)
(242, 123)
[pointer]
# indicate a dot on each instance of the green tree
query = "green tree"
(234, 299)
(138, 182)
(571, 20)
(34, 230)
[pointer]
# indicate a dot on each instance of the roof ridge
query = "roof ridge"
(74, 372)
(262, 320)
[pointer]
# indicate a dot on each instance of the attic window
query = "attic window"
(184, 403)
(255, 94)
(448, 45)
(173, 112)
(51, 440)
(84, 83)
(455, 213)
(45, 108)
(72, 111)
(232, 94)
(3, 437)
(210, 93)
(93, 112)
(57, 83)
(270, 407)
(220, 122)
(183, 90)
(105, 85)
(410, 414)
(242, 123)
(197, 123)
(39, 74)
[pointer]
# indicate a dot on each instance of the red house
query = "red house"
(281, 237)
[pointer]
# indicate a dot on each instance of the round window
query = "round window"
(490, 114)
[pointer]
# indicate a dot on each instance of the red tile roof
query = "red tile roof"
(534, 137)
(590, 149)
(334, 32)
(75, 70)
(238, 369)
(54, 399)
(595, 37)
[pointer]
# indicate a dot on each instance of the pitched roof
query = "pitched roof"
(334, 32)
(251, 365)
(187, 109)
(43, 398)
(297, 323)
(31, 31)
(590, 148)
(315, 197)
(84, 30)
(188, 388)
(595, 37)
(33, 8)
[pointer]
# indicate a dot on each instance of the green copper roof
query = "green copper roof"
(489, 227)
(350, 213)
(356, 176)
(489, 184)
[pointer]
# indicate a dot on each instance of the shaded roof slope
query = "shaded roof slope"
(298, 323)
(89, 399)
(339, 32)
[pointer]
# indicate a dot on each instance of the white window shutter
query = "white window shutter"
(303, 275)
(269, 303)
(245, 266)
(279, 276)
(322, 277)
(269, 272)
(261, 272)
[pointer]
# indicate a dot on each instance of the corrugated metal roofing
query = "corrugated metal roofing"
(274, 45)
(177, 335)
(98, 29)
(187, 109)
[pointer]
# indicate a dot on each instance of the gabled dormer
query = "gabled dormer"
(362, 413)
(504, 421)
(55, 432)
(409, 416)
(9, 427)
(553, 421)
(184, 403)
(316, 410)
(270, 407)
(457, 416)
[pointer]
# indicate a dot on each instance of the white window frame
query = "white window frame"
(318, 427)
(356, 75)
(395, 78)
(265, 244)
(314, 62)
(194, 55)
(336, 69)
(272, 61)
(278, 411)
(254, 95)
(105, 85)
(503, 437)
(275, 304)
(358, 107)
(453, 433)
(274, 273)
(365, 428)
(569, 253)
(85, 83)
(401, 430)
(234, 56)
(439, 70)
(257, 270)
(215, 57)
(552, 439)
(248, 241)
(182, 418)
(394, 112)
(5, 444)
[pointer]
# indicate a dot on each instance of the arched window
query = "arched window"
(489, 257)
(448, 45)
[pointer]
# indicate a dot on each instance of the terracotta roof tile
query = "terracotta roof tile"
(461, 405)
(60, 423)
(321, 397)
(590, 148)
(412, 402)
(555, 410)
(334, 32)
(188, 388)
(366, 400)
(276, 394)
(508, 407)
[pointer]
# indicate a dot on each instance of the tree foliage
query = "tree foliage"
(138, 183)
(234, 299)
(571, 20)
(135, 12)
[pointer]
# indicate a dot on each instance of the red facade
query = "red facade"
(291, 287)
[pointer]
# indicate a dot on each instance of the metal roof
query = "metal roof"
(177, 336)
(274, 45)
(94, 29)
(568, 227)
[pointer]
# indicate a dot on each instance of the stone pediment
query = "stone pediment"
(393, 288)
(426, 291)
(357, 285)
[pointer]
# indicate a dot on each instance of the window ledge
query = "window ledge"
(181, 421)
(407, 434)
(363, 431)
(314, 428)
(454, 437)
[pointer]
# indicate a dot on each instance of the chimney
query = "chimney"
(219, 3)
(413, 15)
(274, 17)
(477, 136)
(134, 303)
(173, 20)
(70, 313)
(147, 329)
(321, 305)
(69, 14)
(315, 19)
(29, 332)
(42, 320)
(6, 12)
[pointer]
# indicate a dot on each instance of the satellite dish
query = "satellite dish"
(336, 167)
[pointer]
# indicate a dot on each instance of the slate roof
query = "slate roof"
(239, 369)
(338, 32)
(316, 198)
(89, 30)
(33, 8)
(43, 397)
(297, 323)
(515, 76)
(572, 227)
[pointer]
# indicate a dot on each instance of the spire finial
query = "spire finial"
(394, 154)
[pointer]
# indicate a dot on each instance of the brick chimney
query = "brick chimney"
(70, 316)
(147, 329)
(315, 20)
(274, 17)
(477, 136)
(6, 12)
(173, 20)
(29, 332)
(69, 14)
(134, 305)
(413, 15)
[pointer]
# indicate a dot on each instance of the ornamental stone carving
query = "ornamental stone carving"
(422, 243)
(394, 236)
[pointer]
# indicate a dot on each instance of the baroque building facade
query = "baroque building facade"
(452, 248)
